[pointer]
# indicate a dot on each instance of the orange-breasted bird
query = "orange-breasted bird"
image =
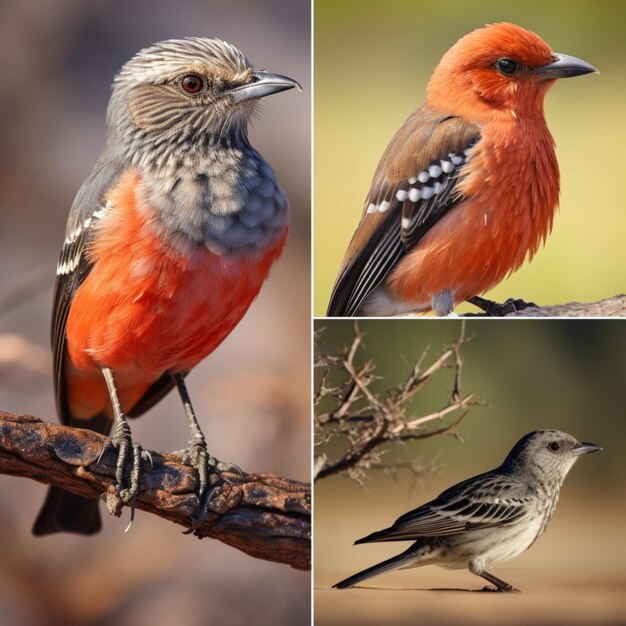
(167, 244)
(468, 186)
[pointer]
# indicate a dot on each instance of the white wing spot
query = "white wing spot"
(423, 177)
(384, 206)
(447, 166)
(371, 208)
(401, 195)
(414, 194)
(68, 266)
(426, 192)
(406, 222)
(434, 171)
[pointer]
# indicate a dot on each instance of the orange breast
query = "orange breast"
(148, 306)
(512, 187)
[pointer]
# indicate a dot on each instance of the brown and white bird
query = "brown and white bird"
(488, 519)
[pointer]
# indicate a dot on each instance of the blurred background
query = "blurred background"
(567, 375)
(57, 62)
(372, 63)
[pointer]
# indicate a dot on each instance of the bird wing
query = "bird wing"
(482, 502)
(74, 264)
(414, 186)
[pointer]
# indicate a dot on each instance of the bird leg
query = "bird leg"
(500, 585)
(122, 440)
(197, 455)
(442, 303)
(495, 309)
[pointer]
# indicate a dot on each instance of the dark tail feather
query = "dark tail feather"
(394, 562)
(379, 535)
(65, 512)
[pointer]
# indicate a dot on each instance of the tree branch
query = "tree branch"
(266, 516)
(368, 422)
(610, 307)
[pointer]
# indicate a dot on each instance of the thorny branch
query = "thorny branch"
(367, 422)
(263, 515)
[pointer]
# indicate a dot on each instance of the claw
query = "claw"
(495, 309)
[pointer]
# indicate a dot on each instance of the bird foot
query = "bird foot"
(126, 478)
(505, 588)
(495, 309)
(211, 473)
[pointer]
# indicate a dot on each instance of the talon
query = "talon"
(494, 309)
(231, 468)
(146, 456)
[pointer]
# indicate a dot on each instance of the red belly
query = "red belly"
(148, 307)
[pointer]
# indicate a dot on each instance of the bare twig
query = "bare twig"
(263, 515)
(366, 422)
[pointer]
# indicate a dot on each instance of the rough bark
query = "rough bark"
(266, 516)
(610, 307)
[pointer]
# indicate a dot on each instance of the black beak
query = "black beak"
(586, 448)
(565, 66)
(263, 84)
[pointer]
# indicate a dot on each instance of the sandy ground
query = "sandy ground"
(571, 576)
(437, 597)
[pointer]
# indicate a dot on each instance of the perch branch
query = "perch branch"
(266, 516)
(609, 307)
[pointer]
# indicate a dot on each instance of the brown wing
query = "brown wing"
(413, 187)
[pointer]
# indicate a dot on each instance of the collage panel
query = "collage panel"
(191, 172)
(437, 179)
(442, 448)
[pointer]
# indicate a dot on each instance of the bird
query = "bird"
(468, 186)
(487, 519)
(167, 244)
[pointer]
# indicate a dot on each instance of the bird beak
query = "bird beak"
(585, 448)
(565, 66)
(263, 84)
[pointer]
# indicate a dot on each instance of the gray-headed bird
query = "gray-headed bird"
(167, 244)
(488, 519)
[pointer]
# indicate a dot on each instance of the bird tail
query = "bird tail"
(65, 512)
(395, 562)
(379, 535)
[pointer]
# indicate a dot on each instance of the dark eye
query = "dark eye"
(507, 66)
(554, 446)
(192, 83)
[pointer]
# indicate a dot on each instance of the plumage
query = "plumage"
(463, 231)
(487, 519)
(167, 244)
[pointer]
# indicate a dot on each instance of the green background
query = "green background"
(372, 63)
(564, 374)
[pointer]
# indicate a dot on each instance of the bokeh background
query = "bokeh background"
(567, 375)
(372, 63)
(57, 62)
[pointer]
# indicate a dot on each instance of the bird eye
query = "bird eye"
(506, 66)
(554, 446)
(192, 83)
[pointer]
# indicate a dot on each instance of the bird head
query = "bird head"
(548, 453)
(501, 71)
(187, 94)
